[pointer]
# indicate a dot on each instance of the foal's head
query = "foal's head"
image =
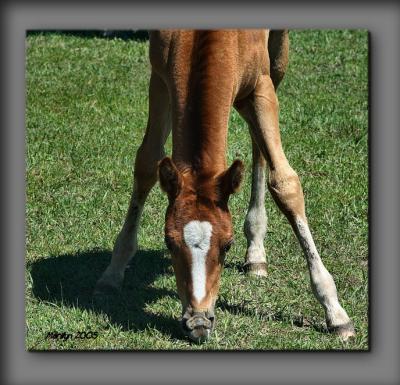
(198, 232)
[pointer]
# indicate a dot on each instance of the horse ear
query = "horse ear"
(169, 177)
(230, 179)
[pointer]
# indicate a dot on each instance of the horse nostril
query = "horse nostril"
(198, 326)
(198, 321)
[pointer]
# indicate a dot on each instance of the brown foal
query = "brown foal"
(196, 78)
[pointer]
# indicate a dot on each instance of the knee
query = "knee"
(146, 163)
(285, 188)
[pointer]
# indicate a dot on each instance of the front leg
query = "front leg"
(322, 283)
(261, 112)
(125, 246)
(149, 154)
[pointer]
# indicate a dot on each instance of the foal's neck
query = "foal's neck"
(200, 138)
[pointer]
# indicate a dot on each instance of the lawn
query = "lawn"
(86, 110)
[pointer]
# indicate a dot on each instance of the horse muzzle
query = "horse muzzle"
(198, 325)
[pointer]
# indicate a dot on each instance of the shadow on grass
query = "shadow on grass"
(275, 316)
(137, 35)
(247, 309)
(69, 280)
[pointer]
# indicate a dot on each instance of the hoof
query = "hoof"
(345, 332)
(256, 269)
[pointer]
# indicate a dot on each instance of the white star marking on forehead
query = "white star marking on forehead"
(197, 236)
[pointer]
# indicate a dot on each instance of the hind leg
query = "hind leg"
(255, 224)
(261, 111)
(278, 49)
(145, 176)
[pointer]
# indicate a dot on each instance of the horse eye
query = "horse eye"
(227, 246)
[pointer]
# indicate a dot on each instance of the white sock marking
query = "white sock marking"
(321, 279)
(255, 224)
(197, 236)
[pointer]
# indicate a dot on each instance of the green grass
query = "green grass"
(86, 112)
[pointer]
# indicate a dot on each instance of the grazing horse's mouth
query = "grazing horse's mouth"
(198, 327)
